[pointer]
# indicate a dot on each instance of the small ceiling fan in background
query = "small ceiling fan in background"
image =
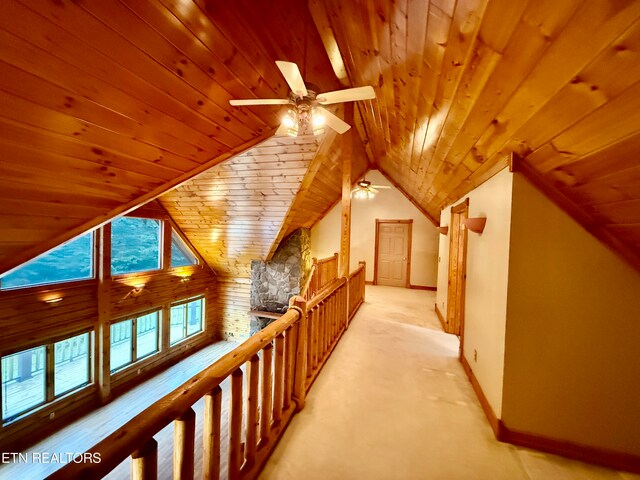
(364, 189)
(305, 103)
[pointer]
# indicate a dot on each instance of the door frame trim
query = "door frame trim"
(375, 257)
(458, 209)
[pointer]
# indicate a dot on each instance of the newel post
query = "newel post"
(300, 380)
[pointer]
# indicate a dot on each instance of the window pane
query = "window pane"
(23, 381)
(70, 261)
(147, 334)
(135, 245)
(121, 344)
(194, 317)
(178, 315)
(181, 256)
(71, 368)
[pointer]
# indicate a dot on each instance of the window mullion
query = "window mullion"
(49, 371)
(134, 340)
(186, 319)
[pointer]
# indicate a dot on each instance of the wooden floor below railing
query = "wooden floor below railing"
(93, 427)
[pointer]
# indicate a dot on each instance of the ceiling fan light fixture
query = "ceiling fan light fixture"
(289, 119)
(318, 119)
(363, 194)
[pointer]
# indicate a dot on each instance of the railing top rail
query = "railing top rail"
(328, 259)
(325, 292)
(356, 271)
(121, 443)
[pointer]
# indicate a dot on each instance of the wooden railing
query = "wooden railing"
(356, 288)
(281, 362)
(323, 272)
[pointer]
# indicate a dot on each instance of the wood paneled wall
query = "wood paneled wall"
(27, 321)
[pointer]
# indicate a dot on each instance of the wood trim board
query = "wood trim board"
(584, 453)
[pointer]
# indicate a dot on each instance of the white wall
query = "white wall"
(486, 285)
(572, 369)
(388, 204)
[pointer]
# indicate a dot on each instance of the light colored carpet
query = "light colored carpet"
(393, 402)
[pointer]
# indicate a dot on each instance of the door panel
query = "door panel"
(393, 253)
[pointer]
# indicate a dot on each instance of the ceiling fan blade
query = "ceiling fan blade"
(292, 75)
(260, 101)
(381, 186)
(334, 122)
(281, 131)
(347, 95)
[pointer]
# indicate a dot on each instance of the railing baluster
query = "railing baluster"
(300, 356)
(184, 430)
(278, 379)
(288, 366)
(321, 322)
(308, 334)
(265, 409)
(211, 434)
(316, 337)
(235, 425)
(144, 461)
(252, 409)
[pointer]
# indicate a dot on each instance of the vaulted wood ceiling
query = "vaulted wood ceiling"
(233, 212)
(107, 104)
(462, 84)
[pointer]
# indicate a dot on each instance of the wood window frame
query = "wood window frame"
(49, 372)
(375, 258)
(61, 283)
(203, 320)
(135, 361)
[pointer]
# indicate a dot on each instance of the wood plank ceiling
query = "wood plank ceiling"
(106, 104)
(462, 84)
(233, 212)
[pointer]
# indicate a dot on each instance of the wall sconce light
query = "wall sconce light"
(475, 224)
(185, 278)
(138, 288)
(52, 300)
(443, 230)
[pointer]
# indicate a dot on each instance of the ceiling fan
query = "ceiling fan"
(305, 103)
(365, 190)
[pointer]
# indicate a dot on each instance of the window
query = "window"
(24, 374)
(181, 256)
(127, 348)
(147, 335)
(72, 366)
(121, 344)
(186, 319)
(23, 381)
(135, 245)
(70, 261)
